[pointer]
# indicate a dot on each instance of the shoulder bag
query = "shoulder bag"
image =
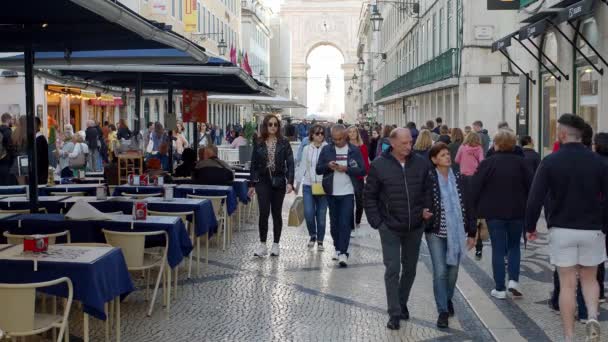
(317, 187)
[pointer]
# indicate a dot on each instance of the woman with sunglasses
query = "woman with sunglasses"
(272, 175)
(354, 137)
(315, 201)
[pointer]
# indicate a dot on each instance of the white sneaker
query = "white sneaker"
(514, 289)
(499, 294)
(274, 251)
(593, 331)
(320, 247)
(311, 243)
(262, 251)
(342, 260)
(335, 256)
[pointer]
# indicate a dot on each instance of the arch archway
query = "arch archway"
(325, 81)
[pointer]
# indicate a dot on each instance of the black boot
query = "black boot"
(405, 313)
(442, 321)
(450, 308)
(393, 323)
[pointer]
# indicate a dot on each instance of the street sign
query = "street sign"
(503, 5)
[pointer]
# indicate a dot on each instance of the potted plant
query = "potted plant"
(249, 130)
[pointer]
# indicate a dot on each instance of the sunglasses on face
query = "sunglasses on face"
(273, 124)
(320, 133)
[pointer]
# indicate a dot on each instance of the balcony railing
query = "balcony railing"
(440, 68)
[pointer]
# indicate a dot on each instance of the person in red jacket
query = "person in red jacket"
(355, 138)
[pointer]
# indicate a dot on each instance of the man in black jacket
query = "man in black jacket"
(394, 201)
(573, 182)
(210, 169)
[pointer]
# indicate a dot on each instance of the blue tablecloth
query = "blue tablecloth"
(90, 190)
(205, 220)
(90, 231)
(94, 283)
(183, 190)
(12, 190)
(241, 188)
(131, 189)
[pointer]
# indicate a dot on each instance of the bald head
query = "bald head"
(401, 143)
(338, 135)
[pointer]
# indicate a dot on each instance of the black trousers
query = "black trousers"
(270, 200)
(358, 185)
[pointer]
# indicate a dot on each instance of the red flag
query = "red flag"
(233, 55)
(246, 65)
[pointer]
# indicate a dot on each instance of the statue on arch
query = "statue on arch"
(327, 84)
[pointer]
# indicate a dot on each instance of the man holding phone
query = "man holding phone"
(340, 163)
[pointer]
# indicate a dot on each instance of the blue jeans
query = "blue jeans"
(341, 217)
(315, 213)
(444, 275)
(506, 238)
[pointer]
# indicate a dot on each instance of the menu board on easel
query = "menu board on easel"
(195, 106)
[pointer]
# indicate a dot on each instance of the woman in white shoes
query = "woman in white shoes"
(272, 175)
(500, 189)
(315, 201)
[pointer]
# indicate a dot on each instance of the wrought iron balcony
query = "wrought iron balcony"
(440, 68)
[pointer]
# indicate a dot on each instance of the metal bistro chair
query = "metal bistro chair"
(132, 245)
(141, 196)
(16, 239)
(219, 208)
(189, 228)
(19, 317)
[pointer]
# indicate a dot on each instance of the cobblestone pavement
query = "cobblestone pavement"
(300, 296)
(303, 296)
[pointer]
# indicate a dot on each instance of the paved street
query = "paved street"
(303, 296)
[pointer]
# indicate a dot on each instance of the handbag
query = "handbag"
(317, 187)
(277, 182)
(79, 161)
(482, 230)
(296, 212)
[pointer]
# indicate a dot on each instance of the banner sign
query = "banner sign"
(190, 15)
(502, 43)
(159, 7)
(533, 30)
(195, 106)
(503, 5)
(576, 10)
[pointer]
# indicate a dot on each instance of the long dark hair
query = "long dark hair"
(264, 129)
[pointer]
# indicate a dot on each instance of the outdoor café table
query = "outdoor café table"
(90, 230)
(183, 190)
(50, 203)
(242, 175)
(205, 221)
(13, 189)
(94, 174)
(99, 275)
(241, 187)
(89, 189)
(137, 189)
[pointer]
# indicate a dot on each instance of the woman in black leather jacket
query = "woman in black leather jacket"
(272, 175)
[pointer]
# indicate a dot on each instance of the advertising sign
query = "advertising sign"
(503, 5)
(190, 16)
(159, 7)
(195, 106)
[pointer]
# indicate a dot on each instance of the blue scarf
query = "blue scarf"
(450, 201)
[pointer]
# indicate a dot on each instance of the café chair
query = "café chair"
(69, 194)
(132, 245)
(189, 229)
(19, 317)
(22, 211)
(141, 196)
(13, 195)
(219, 208)
(17, 239)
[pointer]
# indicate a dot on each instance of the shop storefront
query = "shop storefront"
(565, 47)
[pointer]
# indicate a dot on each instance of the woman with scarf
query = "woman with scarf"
(450, 232)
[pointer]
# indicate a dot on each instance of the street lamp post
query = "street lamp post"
(410, 7)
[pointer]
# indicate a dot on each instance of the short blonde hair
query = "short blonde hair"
(424, 140)
(505, 140)
(472, 139)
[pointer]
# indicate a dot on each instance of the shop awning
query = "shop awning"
(85, 25)
(273, 101)
(502, 45)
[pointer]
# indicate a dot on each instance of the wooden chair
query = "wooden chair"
(70, 194)
(219, 208)
(16, 239)
(141, 196)
(133, 249)
(19, 317)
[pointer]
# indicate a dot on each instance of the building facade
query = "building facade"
(433, 59)
(256, 35)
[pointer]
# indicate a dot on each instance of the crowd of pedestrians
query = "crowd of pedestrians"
(454, 187)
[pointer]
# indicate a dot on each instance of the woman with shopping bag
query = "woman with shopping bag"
(315, 201)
